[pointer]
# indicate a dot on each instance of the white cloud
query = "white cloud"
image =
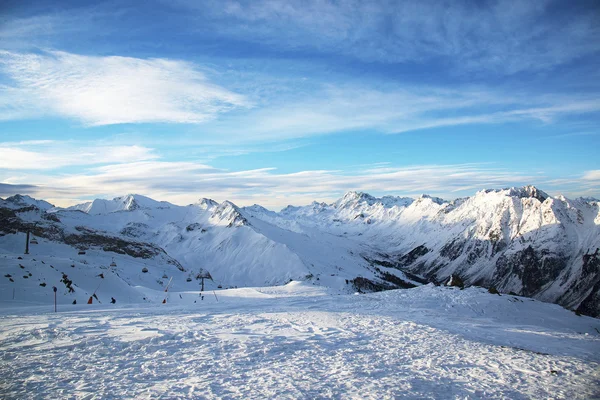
(593, 175)
(110, 90)
(501, 36)
(48, 155)
(185, 182)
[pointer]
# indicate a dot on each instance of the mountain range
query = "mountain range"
(515, 240)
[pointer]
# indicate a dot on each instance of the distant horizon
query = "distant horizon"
(274, 102)
(327, 201)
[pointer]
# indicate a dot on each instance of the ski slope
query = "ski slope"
(302, 341)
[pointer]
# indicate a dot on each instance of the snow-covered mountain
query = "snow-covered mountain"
(20, 201)
(518, 240)
(125, 203)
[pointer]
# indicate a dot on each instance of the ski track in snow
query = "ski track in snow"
(368, 347)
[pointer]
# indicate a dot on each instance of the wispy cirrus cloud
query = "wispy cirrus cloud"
(500, 37)
(110, 90)
(395, 109)
(27, 24)
(503, 37)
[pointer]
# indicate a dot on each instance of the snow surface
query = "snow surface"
(301, 341)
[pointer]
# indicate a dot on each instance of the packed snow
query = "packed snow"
(301, 341)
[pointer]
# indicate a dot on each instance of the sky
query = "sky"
(288, 102)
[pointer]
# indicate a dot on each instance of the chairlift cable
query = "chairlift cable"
(167, 291)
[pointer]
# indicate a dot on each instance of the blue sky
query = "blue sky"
(278, 102)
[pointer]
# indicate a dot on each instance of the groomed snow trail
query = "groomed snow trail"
(368, 347)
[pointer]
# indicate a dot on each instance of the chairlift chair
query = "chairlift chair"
(113, 263)
(33, 241)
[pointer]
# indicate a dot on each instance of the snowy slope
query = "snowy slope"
(297, 342)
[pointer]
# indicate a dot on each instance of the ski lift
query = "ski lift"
(81, 252)
(33, 241)
(188, 280)
(144, 270)
(165, 276)
(113, 263)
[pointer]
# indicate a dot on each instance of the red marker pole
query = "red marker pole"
(54, 288)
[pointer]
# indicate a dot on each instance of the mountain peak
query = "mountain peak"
(436, 200)
(23, 200)
(129, 202)
(391, 201)
(229, 214)
(355, 197)
(532, 191)
(523, 192)
(205, 203)
(257, 208)
(289, 209)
